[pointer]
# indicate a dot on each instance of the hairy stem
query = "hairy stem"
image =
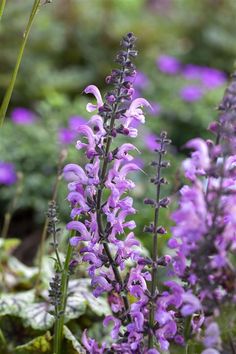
(99, 210)
(155, 250)
(8, 94)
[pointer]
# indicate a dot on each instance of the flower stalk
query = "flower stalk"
(8, 94)
(162, 141)
(60, 318)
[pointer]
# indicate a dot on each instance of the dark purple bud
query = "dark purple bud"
(126, 131)
(214, 127)
(127, 84)
(164, 260)
(144, 261)
(110, 157)
(167, 141)
(163, 135)
(149, 229)
(149, 201)
(161, 230)
(113, 133)
(165, 164)
(111, 99)
(164, 202)
(108, 79)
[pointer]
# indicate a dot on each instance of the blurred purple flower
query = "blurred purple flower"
(191, 93)
(150, 141)
(76, 121)
(141, 81)
(156, 109)
(66, 136)
(7, 173)
(209, 77)
(23, 116)
(168, 65)
(213, 78)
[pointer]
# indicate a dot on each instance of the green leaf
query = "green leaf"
(98, 305)
(21, 270)
(13, 304)
(9, 244)
(82, 286)
(41, 344)
(37, 316)
(76, 347)
(76, 306)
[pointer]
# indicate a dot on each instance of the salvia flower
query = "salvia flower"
(7, 173)
(204, 234)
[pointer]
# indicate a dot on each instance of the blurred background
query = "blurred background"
(186, 54)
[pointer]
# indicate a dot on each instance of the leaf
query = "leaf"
(41, 344)
(76, 346)
(76, 306)
(37, 316)
(21, 270)
(13, 304)
(9, 244)
(98, 305)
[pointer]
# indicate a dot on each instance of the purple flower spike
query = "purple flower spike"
(7, 173)
(168, 65)
(23, 116)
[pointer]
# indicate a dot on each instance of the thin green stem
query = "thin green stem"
(45, 227)
(2, 7)
(62, 307)
(155, 251)
(8, 94)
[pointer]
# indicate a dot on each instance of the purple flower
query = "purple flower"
(191, 93)
(66, 136)
(150, 141)
(210, 78)
(23, 116)
(7, 173)
(212, 335)
(141, 81)
(156, 109)
(75, 122)
(168, 65)
(94, 91)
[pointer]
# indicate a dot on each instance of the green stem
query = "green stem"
(155, 252)
(45, 227)
(2, 6)
(62, 307)
(8, 94)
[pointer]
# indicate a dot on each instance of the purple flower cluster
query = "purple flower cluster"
(104, 226)
(202, 78)
(204, 235)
